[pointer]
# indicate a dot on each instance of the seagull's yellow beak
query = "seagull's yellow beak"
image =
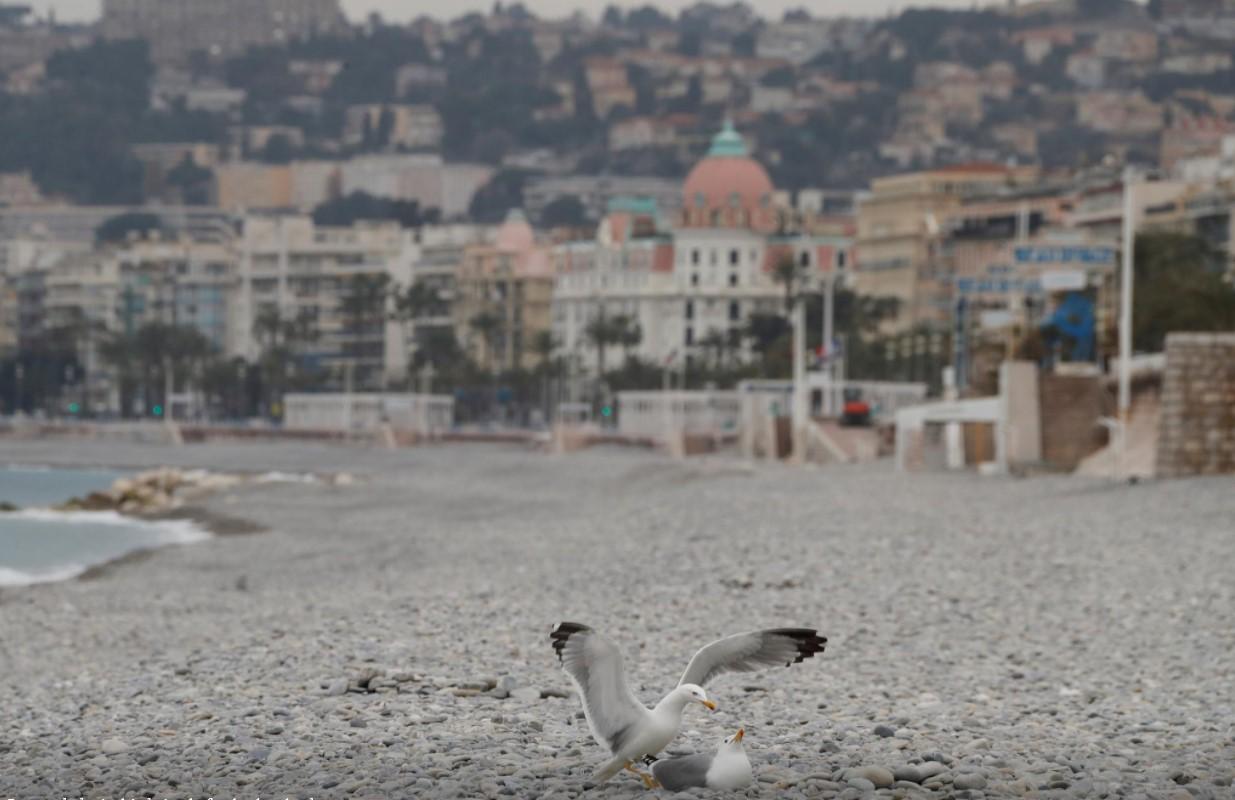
(737, 737)
(709, 704)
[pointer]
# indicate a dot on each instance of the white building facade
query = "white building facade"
(692, 284)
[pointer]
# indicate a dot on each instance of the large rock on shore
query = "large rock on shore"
(153, 491)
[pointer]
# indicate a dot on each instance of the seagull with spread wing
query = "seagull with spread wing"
(630, 730)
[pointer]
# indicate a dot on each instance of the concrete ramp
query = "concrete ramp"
(835, 443)
(1142, 445)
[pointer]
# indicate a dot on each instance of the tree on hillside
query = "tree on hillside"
(564, 212)
(117, 229)
(496, 198)
(76, 136)
(1179, 287)
(194, 183)
(361, 206)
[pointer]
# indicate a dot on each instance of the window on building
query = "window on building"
(841, 258)
(733, 279)
(690, 336)
(694, 279)
(690, 309)
(694, 257)
(804, 259)
(734, 257)
(735, 311)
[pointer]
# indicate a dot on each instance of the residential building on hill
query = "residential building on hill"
(220, 28)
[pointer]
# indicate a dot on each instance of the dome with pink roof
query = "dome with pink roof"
(515, 234)
(728, 188)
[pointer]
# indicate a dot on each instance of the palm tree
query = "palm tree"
(602, 332)
(363, 307)
(544, 345)
(281, 338)
(156, 357)
(418, 300)
(714, 344)
(791, 275)
(79, 335)
(628, 333)
(489, 325)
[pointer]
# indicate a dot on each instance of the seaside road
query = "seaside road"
(988, 637)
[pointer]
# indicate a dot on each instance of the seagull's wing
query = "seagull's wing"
(685, 772)
(595, 664)
(747, 652)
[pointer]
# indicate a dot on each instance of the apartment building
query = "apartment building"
(328, 276)
(503, 297)
(899, 230)
(178, 28)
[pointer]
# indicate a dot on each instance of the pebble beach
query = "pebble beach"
(387, 635)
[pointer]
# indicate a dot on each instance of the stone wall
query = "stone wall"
(1196, 435)
(1072, 406)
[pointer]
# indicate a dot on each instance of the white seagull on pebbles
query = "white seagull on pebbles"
(728, 769)
(630, 730)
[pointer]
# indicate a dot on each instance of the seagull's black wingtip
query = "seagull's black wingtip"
(807, 640)
(562, 632)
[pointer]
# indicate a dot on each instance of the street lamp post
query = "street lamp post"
(1125, 311)
(829, 356)
(800, 397)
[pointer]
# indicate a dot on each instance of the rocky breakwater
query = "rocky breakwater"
(155, 491)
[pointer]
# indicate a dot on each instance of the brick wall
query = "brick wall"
(1071, 408)
(1196, 435)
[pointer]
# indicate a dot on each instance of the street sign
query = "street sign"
(1039, 254)
(998, 285)
(994, 320)
(1064, 280)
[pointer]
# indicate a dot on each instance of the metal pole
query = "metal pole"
(1125, 313)
(829, 363)
(800, 398)
(1125, 297)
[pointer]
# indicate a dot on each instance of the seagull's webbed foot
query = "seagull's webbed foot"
(648, 781)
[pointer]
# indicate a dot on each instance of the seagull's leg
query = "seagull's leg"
(648, 781)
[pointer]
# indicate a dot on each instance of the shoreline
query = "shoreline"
(178, 525)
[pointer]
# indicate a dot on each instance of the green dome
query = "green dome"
(728, 143)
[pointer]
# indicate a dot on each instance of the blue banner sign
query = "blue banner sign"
(1064, 255)
(998, 285)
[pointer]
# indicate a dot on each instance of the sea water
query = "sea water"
(38, 544)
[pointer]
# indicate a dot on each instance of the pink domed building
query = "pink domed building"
(691, 280)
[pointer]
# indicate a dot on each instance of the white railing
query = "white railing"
(658, 415)
(884, 397)
(423, 415)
